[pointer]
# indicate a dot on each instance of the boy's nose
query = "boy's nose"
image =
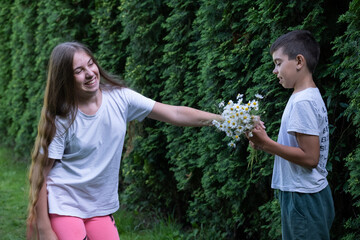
(275, 71)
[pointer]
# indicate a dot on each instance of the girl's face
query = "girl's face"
(86, 74)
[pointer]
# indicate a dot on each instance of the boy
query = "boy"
(307, 209)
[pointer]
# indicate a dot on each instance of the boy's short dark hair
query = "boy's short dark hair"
(299, 42)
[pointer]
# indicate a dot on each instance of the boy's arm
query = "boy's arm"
(42, 219)
(306, 155)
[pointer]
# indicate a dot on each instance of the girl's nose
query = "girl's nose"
(89, 73)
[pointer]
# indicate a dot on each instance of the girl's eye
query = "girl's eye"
(78, 71)
(91, 62)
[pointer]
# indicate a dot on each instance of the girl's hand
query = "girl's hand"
(47, 234)
(258, 122)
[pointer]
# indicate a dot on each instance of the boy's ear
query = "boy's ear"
(300, 62)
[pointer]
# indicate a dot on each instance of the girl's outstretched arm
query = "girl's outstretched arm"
(182, 116)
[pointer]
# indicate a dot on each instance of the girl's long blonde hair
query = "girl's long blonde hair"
(60, 100)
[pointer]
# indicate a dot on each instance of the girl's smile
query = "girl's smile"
(86, 74)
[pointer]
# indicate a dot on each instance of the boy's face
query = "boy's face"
(285, 69)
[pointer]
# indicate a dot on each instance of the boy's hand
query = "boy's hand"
(256, 147)
(258, 135)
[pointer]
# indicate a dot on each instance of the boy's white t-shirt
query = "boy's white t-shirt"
(304, 113)
(84, 180)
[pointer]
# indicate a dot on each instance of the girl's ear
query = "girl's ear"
(300, 62)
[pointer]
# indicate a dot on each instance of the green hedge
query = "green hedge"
(194, 53)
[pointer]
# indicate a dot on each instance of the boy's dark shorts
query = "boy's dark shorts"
(306, 215)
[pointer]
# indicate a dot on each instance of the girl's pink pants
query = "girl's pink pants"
(74, 228)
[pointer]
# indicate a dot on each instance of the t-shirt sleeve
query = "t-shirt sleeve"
(303, 119)
(57, 146)
(139, 105)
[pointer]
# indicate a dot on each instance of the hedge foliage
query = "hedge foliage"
(194, 53)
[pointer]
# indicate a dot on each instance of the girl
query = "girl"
(76, 157)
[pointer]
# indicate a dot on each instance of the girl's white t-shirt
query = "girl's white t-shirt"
(84, 180)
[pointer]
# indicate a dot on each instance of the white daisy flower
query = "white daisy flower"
(239, 96)
(238, 117)
(232, 144)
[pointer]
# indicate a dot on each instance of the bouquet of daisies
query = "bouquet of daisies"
(239, 117)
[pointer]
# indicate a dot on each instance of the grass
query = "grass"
(14, 199)
(137, 226)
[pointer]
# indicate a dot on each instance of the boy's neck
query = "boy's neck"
(304, 83)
